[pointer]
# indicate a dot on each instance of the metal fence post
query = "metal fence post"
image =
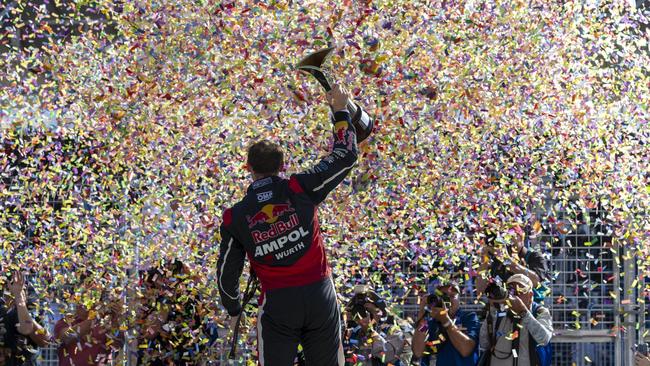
(617, 302)
(630, 308)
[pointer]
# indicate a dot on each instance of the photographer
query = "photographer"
(371, 336)
(20, 334)
(516, 330)
(501, 259)
(444, 330)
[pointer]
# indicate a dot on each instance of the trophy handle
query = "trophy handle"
(362, 122)
(318, 74)
(312, 63)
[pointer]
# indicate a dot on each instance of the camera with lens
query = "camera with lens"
(363, 296)
(360, 299)
(496, 290)
(439, 300)
(357, 305)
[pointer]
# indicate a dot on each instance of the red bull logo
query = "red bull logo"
(269, 214)
(277, 228)
(340, 130)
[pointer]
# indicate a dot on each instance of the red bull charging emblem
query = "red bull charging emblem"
(269, 214)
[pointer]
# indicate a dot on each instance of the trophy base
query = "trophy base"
(362, 122)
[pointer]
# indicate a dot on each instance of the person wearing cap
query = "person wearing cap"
(449, 333)
(501, 258)
(372, 336)
(518, 319)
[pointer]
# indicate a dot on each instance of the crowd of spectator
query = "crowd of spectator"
(172, 325)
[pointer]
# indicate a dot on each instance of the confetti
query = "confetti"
(124, 139)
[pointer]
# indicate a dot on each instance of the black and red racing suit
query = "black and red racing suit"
(276, 226)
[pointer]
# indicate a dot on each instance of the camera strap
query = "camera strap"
(515, 342)
(532, 345)
(492, 332)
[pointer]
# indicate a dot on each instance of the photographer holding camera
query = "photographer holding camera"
(171, 316)
(501, 259)
(444, 330)
(516, 330)
(372, 337)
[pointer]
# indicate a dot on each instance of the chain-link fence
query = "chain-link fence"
(584, 298)
(593, 299)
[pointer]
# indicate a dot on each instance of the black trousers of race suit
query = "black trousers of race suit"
(308, 315)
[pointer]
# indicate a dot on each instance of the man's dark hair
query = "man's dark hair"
(265, 157)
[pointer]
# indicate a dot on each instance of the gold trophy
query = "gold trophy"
(360, 119)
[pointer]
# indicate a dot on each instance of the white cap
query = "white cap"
(525, 283)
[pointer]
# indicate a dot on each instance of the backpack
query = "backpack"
(543, 354)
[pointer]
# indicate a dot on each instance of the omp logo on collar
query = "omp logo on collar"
(262, 182)
(264, 196)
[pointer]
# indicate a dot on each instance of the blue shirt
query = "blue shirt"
(447, 354)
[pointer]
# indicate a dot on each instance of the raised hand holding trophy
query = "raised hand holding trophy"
(360, 119)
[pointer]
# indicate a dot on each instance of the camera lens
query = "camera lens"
(358, 311)
(495, 291)
(439, 300)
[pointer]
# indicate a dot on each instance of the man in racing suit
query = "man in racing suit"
(276, 226)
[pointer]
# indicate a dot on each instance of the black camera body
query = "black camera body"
(362, 296)
(358, 305)
(496, 290)
(360, 299)
(439, 300)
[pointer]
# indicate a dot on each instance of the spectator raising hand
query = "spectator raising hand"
(22, 334)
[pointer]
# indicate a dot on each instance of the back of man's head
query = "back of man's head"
(265, 157)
